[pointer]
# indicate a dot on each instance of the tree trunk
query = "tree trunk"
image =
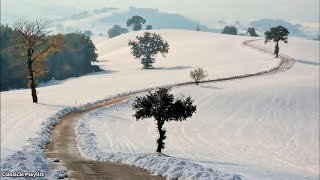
(276, 49)
(147, 63)
(162, 136)
(31, 82)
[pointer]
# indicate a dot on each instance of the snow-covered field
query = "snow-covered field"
(261, 128)
(220, 55)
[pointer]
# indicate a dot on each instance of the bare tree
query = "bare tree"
(198, 74)
(34, 43)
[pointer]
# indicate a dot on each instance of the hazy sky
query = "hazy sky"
(205, 11)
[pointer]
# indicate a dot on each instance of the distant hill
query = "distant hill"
(263, 25)
(98, 21)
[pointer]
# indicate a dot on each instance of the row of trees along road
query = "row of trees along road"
(30, 54)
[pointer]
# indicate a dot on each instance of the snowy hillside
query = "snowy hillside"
(188, 49)
(220, 55)
(261, 128)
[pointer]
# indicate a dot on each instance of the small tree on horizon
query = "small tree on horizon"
(136, 22)
(276, 34)
(147, 47)
(230, 30)
(198, 74)
(163, 108)
(149, 27)
(252, 32)
(116, 30)
(34, 43)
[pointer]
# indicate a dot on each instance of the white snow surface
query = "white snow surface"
(156, 163)
(265, 127)
(25, 127)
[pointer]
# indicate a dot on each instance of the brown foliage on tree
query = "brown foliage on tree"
(34, 43)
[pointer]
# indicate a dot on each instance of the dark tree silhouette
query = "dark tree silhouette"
(88, 33)
(277, 34)
(136, 22)
(149, 27)
(116, 30)
(163, 108)
(198, 74)
(252, 32)
(147, 47)
(230, 30)
(33, 42)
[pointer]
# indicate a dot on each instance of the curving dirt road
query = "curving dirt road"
(63, 145)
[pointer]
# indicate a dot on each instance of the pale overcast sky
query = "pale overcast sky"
(205, 11)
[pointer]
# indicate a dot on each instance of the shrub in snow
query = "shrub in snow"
(147, 47)
(198, 74)
(277, 34)
(164, 108)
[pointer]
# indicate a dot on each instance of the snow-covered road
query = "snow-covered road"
(63, 147)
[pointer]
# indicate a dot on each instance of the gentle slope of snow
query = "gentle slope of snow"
(21, 120)
(262, 128)
(123, 73)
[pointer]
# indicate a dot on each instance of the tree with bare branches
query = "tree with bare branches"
(198, 74)
(33, 41)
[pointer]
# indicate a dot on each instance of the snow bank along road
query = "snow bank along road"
(24, 151)
(63, 148)
(63, 145)
(264, 127)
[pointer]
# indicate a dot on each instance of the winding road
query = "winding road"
(63, 145)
